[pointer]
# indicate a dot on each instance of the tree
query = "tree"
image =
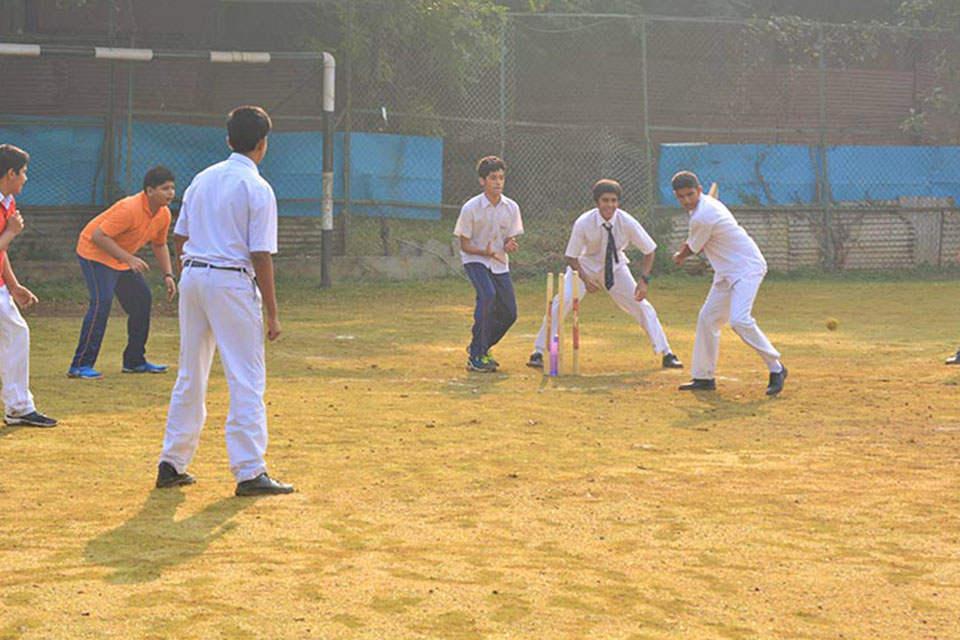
(944, 98)
(423, 57)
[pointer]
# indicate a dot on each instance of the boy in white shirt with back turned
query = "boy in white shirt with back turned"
(596, 252)
(739, 268)
(225, 236)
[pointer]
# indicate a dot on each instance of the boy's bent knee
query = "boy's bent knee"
(742, 324)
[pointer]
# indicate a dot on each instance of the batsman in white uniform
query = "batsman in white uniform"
(739, 268)
(225, 235)
(596, 251)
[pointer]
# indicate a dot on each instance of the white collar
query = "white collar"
(700, 202)
(485, 201)
(603, 223)
(242, 159)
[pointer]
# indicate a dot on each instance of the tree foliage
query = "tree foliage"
(420, 57)
(944, 98)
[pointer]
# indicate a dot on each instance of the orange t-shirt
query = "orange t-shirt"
(129, 223)
(5, 214)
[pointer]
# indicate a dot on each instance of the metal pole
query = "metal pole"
(503, 85)
(825, 192)
(108, 140)
(651, 182)
(348, 127)
(326, 199)
(130, 76)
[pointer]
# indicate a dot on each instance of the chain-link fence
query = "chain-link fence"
(833, 144)
(93, 128)
(830, 142)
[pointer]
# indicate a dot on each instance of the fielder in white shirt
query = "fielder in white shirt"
(225, 234)
(596, 251)
(487, 227)
(739, 269)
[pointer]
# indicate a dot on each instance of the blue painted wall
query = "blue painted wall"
(857, 173)
(65, 156)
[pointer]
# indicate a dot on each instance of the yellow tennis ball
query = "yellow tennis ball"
(832, 324)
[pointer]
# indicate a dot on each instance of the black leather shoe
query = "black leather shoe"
(536, 360)
(262, 485)
(167, 476)
(776, 382)
(700, 384)
(954, 359)
(32, 419)
(671, 361)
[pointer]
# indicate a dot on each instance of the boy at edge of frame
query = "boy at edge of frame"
(14, 332)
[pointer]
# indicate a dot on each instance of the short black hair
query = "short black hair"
(607, 186)
(684, 180)
(246, 127)
(489, 164)
(12, 157)
(156, 177)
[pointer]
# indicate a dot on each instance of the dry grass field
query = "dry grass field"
(436, 503)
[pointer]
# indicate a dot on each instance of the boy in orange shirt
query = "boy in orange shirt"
(107, 252)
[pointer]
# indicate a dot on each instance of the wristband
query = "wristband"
(645, 277)
(170, 275)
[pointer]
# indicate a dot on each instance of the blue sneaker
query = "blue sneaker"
(487, 357)
(480, 365)
(146, 367)
(87, 373)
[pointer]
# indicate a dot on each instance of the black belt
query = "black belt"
(197, 263)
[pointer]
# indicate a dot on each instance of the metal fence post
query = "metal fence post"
(129, 137)
(326, 198)
(503, 85)
(826, 197)
(109, 174)
(348, 128)
(648, 154)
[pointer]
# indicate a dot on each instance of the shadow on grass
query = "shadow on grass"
(152, 540)
(718, 408)
(10, 429)
(476, 383)
(597, 383)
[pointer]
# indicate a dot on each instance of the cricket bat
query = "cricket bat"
(714, 189)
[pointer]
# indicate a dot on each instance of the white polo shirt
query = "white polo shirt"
(484, 223)
(715, 231)
(228, 211)
(588, 239)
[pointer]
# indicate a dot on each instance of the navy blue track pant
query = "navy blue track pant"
(134, 296)
(496, 309)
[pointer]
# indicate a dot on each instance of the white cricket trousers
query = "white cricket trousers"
(222, 309)
(14, 357)
(622, 293)
(733, 301)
